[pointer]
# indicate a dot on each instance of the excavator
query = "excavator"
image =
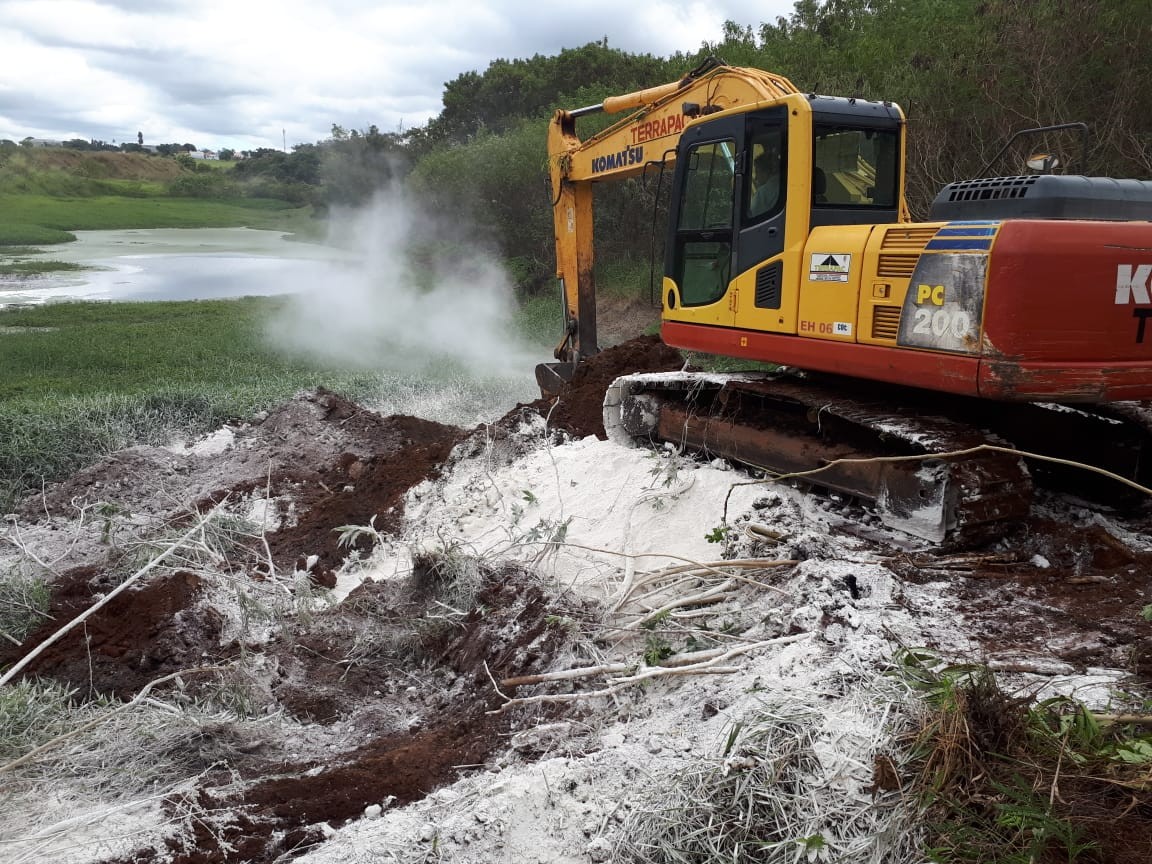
(913, 360)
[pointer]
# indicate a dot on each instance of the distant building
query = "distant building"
(203, 154)
(42, 142)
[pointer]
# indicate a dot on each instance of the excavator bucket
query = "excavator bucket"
(551, 377)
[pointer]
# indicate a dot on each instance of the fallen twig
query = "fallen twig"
(702, 663)
(710, 664)
(569, 674)
(712, 595)
(926, 457)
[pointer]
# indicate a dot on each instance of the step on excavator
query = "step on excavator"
(1015, 318)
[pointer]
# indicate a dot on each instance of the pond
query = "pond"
(445, 350)
(175, 264)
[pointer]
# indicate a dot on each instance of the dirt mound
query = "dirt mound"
(328, 462)
(425, 707)
(1051, 589)
(146, 632)
(579, 409)
(320, 461)
(358, 488)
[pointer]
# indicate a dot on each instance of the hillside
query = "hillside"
(101, 165)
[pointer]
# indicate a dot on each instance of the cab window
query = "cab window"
(765, 194)
(704, 232)
(854, 167)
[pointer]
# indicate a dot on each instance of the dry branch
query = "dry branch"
(568, 674)
(702, 663)
(713, 595)
(922, 457)
(709, 665)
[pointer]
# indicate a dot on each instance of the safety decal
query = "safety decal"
(829, 267)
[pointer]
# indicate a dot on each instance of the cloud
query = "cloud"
(242, 73)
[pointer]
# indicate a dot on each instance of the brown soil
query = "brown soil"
(338, 463)
(386, 663)
(358, 490)
(149, 631)
(621, 319)
(579, 409)
(1081, 604)
(509, 632)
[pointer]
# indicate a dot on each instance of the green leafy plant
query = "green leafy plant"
(656, 648)
(719, 534)
(1006, 779)
(352, 535)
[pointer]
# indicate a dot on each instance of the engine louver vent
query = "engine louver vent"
(768, 286)
(992, 188)
(906, 239)
(885, 322)
(900, 250)
(897, 266)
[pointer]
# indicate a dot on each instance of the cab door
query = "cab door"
(700, 253)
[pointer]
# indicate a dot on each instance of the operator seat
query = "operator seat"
(819, 186)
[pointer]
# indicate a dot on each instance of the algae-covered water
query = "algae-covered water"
(174, 264)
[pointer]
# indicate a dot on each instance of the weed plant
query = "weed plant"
(24, 603)
(784, 789)
(1007, 779)
(32, 712)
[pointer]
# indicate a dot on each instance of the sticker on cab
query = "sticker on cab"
(829, 267)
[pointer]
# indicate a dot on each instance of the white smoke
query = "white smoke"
(409, 297)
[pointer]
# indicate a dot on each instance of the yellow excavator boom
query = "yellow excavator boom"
(648, 135)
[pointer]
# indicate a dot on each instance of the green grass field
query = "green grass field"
(83, 379)
(21, 214)
(72, 349)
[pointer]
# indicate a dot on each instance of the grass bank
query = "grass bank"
(83, 379)
(49, 193)
(34, 219)
(27, 266)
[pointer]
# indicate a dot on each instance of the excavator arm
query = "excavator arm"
(646, 136)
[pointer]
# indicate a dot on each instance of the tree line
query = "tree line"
(967, 73)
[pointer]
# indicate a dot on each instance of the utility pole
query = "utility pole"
(284, 135)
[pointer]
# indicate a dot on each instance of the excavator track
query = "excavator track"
(891, 452)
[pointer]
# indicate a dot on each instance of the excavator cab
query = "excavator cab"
(749, 187)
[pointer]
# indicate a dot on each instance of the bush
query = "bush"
(203, 185)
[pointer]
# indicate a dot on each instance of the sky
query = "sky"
(256, 73)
